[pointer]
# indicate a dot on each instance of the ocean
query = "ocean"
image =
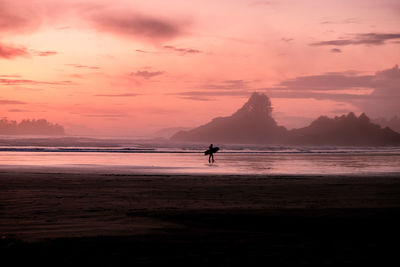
(156, 158)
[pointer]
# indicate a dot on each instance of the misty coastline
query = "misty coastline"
(252, 124)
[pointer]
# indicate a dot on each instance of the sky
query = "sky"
(130, 68)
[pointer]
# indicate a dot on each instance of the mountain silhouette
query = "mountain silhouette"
(344, 130)
(254, 124)
(393, 123)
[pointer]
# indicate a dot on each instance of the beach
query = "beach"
(108, 219)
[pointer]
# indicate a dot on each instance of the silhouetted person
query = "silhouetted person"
(211, 157)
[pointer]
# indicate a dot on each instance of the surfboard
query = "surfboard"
(214, 150)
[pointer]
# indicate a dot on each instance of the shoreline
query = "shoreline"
(124, 170)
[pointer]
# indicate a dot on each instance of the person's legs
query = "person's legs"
(212, 156)
(209, 158)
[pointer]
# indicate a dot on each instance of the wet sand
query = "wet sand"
(114, 219)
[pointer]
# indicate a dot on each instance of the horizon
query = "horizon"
(159, 133)
(131, 68)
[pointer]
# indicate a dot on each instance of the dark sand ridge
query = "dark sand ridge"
(107, 219)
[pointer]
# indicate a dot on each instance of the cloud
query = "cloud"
(11, 102)
(99, 113)
(182, 51)
(344, 21)
(378, 93)
(204, 92)
(381, 81)
(287, 40)
(104, 115)
(197, 98)
(11, 51)
(147, 74)
(329, 81)
(225, 85)
(79, 66)
(20, 81)
(15, 17)
(118, 95)
(348, 97)
(361, 39)
(137, 26)
(207, 94)
(336, 50)
(21, 16)
(170, 48)
(146, 52)
(18, 110)
(44, 53)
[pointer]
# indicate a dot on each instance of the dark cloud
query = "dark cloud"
(147, 74)
(11, 102)
(137, 26)
(11, 51)
(361, 39)
(381, 81)
(182, 51)
(352, 88)
(118, 95)
(336, 50)
(315, 95)
(330, 81)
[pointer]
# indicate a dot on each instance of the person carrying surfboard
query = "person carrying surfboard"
(211, 157)
(211, 150)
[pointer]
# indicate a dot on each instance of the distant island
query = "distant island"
(30, 127)
(254, 124)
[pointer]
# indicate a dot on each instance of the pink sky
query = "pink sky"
(130, 68)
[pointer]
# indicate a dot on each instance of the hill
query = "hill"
(348, 130)
(254, 124)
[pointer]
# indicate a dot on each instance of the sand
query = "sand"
(118, 219)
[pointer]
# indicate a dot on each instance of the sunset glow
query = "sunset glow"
(130, 68)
